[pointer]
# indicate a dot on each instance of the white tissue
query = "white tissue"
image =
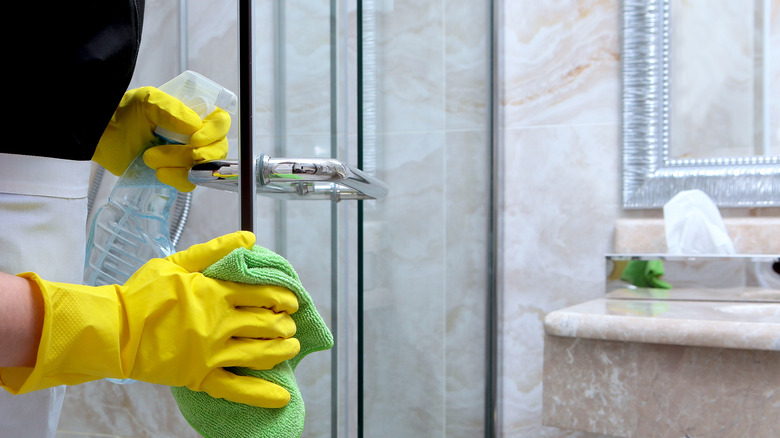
(694, 226)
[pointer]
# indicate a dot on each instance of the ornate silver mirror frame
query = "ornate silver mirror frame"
(650, 176)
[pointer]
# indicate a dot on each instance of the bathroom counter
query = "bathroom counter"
(626, 365)
(686, 319)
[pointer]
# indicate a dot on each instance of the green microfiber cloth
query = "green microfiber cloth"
(645, 273)
(217, 418)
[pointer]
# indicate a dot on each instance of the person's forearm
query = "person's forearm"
(21, 321)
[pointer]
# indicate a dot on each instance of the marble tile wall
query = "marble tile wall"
(560, 76)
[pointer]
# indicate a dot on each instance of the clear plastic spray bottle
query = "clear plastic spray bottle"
(133, 226)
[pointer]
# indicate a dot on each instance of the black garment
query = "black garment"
(70, 64)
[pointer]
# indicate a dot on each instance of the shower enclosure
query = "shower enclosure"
(401, 89)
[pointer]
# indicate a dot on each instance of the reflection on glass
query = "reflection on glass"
(725, 65)
(749, 278)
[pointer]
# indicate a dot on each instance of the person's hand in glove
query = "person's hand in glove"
(168, 324)
(131, 131)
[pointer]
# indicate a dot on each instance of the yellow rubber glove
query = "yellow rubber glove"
(131, 130)
(173, 162)
(168, 324)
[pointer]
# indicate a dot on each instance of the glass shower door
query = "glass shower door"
(305, 96)
(402, 89)
(427, 272)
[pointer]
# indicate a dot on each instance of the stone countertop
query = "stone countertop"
(718, 324)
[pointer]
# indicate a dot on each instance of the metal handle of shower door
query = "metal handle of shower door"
(294, 178)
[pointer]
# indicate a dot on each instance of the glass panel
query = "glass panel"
(304, 97)
(426, 131)
(304, 108)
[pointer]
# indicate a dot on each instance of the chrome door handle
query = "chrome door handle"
(293, 178)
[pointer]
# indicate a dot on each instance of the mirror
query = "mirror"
(697, 112)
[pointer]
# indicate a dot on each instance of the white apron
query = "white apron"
(43, 214)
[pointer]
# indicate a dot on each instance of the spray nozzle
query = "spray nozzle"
(199, 93)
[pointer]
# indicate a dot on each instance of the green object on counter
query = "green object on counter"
(645, 273)
(220, 418)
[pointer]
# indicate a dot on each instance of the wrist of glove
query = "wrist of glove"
(131, 131)
(168, 324)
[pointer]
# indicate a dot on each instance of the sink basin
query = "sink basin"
(767, 310)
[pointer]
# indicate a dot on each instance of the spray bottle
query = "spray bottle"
(133, 226)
